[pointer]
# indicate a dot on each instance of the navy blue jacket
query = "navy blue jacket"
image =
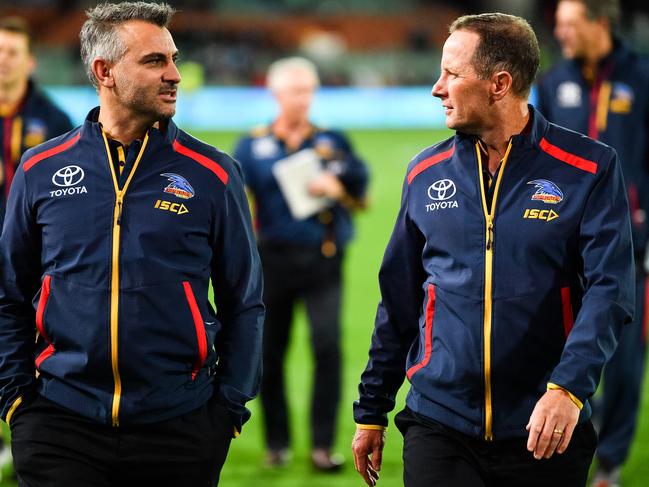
(260, 150)
(35, 120)
(482, 309)
(113, 273)
(613, 108)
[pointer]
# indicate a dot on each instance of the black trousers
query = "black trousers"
(437, 456)
(55, 447)
(292, 273)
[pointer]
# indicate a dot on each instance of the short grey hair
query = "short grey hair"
(99, 35)
(278, 70)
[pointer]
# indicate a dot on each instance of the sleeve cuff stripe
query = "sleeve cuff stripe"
(13, 408)
(371, 427)
(573, 398)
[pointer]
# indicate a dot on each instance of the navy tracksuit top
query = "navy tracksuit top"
(259, 151)
(482, 306)
(613, 108)
(113, 272)
(35, 120)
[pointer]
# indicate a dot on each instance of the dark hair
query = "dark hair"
(17, 25)
(99, 35)
(507, 43)
(597, 9)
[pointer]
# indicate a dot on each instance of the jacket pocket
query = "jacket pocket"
(566, 311)
(40, 322)
(428, 333)
(201, 336)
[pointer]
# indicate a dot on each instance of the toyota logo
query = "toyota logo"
(68, 176)
(441, 190)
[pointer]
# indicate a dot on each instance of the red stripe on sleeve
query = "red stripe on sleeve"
(202, 160)
(563, 156)
(426, 163)
(32, 161)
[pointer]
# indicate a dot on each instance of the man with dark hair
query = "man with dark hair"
(602, 90)
(501, 323)
(27, 116)
(113, 233)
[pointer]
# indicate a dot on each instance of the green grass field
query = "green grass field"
(387, 153)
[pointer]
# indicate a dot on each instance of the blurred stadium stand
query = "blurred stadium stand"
(366, 44)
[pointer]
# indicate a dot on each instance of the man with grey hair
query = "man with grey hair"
(507, 279)
(601, 89)
(114, 232)
(302, 253)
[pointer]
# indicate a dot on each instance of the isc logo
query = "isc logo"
(534, 214)
(178, 208)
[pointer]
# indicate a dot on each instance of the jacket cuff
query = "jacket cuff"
(573, 398)
(377, 427)
(13, 408)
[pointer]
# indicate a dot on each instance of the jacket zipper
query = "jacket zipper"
(114, 277)
(488, 284)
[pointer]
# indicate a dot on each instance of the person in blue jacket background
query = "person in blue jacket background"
(113, 234)
(27, 116)
(505, 284)
(602, 90)
(302, 255)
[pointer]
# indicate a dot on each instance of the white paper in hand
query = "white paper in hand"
(293, 175)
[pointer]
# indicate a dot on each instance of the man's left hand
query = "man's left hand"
(552, 423)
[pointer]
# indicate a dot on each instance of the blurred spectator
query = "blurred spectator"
(27, 116)
(302, 256)
(602, 90)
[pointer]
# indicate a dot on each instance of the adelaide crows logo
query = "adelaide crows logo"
(546, 191)
(179, 186)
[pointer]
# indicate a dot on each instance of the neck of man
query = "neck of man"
(293, 131)
(11, 96)
(123, 125)
(596, 51)
(510, 118)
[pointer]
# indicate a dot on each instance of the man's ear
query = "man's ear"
(501, 84)
(103, 72)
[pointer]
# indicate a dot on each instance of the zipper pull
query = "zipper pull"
(490, 236)
(119, 211)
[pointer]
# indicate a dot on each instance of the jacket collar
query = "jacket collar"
(531, 136)
(163, 136)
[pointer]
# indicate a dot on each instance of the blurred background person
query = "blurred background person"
(602, 90)
(27, 116)
(302, 258)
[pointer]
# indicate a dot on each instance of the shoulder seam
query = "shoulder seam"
(428, 162)
(46, 154)
(572, 159)
(204, 161)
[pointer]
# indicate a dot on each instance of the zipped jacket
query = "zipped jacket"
(110, 272)
(613, 107)
(491, 293)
